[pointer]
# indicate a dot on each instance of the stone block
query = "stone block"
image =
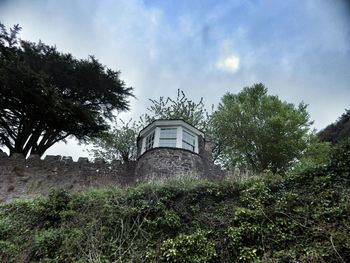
(53, 158)
(33, 157)
(83, 160)
(67, 159)
(17, 156)
(99, 161)
(3, 154)
(116, 162)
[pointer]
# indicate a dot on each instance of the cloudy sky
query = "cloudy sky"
(299, 49)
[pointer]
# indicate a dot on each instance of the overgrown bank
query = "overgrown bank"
(302, 217)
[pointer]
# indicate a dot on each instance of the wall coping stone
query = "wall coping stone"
(17, 156)
(83, 160)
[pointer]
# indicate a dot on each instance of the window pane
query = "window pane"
(167, 142)
(187, 146)
(188, 141)
(149, 141)
(168, 133)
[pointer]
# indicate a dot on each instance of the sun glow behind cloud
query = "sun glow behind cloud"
(205, 48)
(229, 63)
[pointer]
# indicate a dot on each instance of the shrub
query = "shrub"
(191, 248)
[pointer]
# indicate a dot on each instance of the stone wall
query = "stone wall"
(20, 177)
(168, 162)
(30, 177)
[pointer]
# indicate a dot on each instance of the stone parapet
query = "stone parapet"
(20, 177)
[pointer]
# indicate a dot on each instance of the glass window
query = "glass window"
(167, 137)
(149, 141)
(188, 141)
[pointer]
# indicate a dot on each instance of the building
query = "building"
(168, 148)
(169, 133)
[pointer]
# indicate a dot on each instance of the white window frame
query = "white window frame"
(144, 143)
(179, 137)
(176, 134)
(195, 140)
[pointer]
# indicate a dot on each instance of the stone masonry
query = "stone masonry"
(30, 177)
(20, 177)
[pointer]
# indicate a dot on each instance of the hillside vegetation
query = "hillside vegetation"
(300, 217)
(337, 131)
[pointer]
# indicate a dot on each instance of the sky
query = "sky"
(300, 50)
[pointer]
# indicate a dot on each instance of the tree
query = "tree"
(117, 143)
(180, 108)
(316, 154)
(337, 131)
(47, 96)
(120, 142)
(259, 131)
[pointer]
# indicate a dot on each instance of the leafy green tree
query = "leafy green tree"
(316, 154)
(47, 96)
(337, 131)
(259, 131)
(117, 143)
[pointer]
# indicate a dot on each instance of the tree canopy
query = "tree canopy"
(117, 143)
(337, 131)
(120, 141)
(181, 107)
(259, 131)
(46, 95)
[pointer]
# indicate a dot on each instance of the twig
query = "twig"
(285, 214)
(331, 238)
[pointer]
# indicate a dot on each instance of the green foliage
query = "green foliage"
(46, 243)
(120, 142)
(256, 196)
(340, 160)
(170, 220)
(182, 107)
(337, 131)
(47, 96)
(5, 228)
(117, 143)
(302, 216)
(192, 248)
(259, 131)
(316, 154)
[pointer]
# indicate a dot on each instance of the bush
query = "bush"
(300, 217)
(192, 248)
(47, 243)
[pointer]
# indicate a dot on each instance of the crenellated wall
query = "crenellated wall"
(20, 177)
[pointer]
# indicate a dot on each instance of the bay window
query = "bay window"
(170, 133)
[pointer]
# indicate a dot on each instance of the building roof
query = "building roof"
(176, 122)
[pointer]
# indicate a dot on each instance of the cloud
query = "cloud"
(300, 51)
(230, 63)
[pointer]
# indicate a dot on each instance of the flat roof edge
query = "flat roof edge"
(164, 121)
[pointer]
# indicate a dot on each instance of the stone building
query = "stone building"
(169, 148)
